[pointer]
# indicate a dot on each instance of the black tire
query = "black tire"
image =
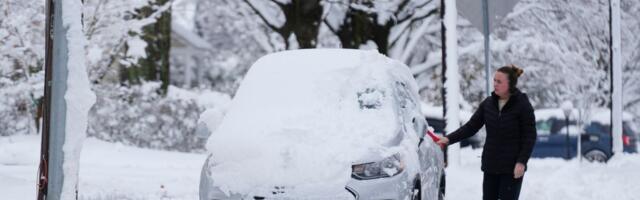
(417, 186)
(596, 155)
(443, 186)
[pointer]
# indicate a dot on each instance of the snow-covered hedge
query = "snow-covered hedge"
(18, 104)
(139, 116)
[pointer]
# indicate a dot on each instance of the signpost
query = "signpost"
(485, 15)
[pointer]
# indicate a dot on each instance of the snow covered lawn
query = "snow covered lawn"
(112, 171)
(107, 171)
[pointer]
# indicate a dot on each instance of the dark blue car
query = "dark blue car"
(596, 140)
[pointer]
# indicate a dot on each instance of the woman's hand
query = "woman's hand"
(518, 172)
(443, 141)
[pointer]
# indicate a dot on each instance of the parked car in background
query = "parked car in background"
(556, 139)
(433, 115)
(324, 124)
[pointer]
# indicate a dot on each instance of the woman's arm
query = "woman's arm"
(470, 128)
(528, 132)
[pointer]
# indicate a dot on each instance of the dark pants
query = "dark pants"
(500, 186)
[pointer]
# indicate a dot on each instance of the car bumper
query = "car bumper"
(396, 187)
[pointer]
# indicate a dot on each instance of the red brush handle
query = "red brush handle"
(434, 137)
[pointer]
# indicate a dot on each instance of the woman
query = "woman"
(511, 134)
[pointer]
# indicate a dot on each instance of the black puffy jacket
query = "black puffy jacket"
(511, 133)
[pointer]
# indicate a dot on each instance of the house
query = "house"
(188, 53)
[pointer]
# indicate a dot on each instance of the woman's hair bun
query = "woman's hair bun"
(519, 71)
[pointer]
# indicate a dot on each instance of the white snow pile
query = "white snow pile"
(297, 120)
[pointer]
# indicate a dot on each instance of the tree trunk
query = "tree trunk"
(155, 67)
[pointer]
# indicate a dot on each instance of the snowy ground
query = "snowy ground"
(111, 171)
(107, 171)
(553, 178)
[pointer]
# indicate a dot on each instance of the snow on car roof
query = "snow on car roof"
(601, 115)
(298, 112)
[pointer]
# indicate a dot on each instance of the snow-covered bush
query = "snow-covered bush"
(139, 116)
(18, 105)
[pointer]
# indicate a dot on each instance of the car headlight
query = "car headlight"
(388, 167)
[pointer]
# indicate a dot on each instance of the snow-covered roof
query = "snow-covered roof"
(601, 115)
(436, 112)
(300, 111)
(181, 33)
(548, 113)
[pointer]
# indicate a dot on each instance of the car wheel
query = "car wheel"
(442, 188)
(416, 193)
(596, 155)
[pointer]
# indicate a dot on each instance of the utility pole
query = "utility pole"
(68, 98)
(46, 105)
(487, 50)
(450, 76)
(616, 77)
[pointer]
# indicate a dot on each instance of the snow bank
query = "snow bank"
(296, 120)
(554, 178)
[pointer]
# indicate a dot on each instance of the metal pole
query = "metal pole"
(58, 105)
(43, 168)
(580, 129)
(616, 77)
(566, 142)
(443, 36)
(487, 50)
(451, 74)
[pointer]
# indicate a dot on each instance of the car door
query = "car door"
(553, 142)
(430, 159)
(546, 144)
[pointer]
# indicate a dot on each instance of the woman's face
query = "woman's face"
(501, 84)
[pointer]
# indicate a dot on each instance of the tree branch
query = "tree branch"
(275, 28)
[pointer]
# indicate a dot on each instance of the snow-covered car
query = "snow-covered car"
(324, 124)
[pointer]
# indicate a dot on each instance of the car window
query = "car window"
(596, 128)
(543, 127)
(633, 128)
(437, 124)
(626, 129)
(599, 128)
(558, 124)
(404, 96)
(420, 125)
